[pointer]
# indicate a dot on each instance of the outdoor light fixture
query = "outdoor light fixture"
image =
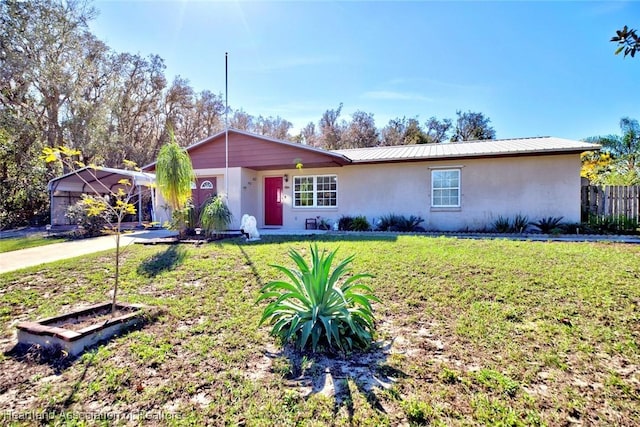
(286, 177)
(198, 230)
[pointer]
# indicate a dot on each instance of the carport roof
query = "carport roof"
(82, 179)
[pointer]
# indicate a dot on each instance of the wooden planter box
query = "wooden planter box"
(60, 331)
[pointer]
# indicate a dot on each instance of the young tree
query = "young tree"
(114, 204)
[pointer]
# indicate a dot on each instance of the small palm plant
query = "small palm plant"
(215, 215)
(174, 175)
(319, 303)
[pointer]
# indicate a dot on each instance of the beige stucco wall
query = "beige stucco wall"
(243, 191)
(250, 200)
(162, 213)
(533, 186)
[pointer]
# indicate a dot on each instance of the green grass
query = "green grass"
(17, 243)
(477, 332)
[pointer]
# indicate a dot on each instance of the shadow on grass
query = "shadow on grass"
(331, 237)
(252, 266)
(331, 375)
(70, 399)
(166, 260)
(58, 360)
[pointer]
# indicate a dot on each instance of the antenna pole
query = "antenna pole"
(226, 124)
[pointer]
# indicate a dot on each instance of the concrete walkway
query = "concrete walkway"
(29, 257)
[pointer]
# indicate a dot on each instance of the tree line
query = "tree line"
(62, 86)
(333, 133)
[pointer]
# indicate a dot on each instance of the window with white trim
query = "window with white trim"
(315, 191)
(445, 188)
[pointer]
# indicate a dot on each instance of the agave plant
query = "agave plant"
(520, 223)
(548, 225)
(320, 303)
(502, 225)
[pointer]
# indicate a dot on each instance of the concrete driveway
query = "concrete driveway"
(15, 260)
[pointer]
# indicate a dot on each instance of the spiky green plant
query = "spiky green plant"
(520, 223)
(548, 225)
(394, 222)
(320, 303)
(502, 225)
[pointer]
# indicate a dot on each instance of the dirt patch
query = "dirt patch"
(95, 318)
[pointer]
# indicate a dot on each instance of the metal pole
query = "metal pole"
(139, 204)
(226, 125)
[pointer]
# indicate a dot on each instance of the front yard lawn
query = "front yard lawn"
(469, 332)
(17, 243)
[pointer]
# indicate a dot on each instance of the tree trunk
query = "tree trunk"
(115, 287)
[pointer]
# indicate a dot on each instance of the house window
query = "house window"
(206, 185)
(445, 188)
(315, 191)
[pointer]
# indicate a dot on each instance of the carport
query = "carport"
(66, 190)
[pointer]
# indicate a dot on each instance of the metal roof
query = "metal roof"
(100, 178)
(485, 148)
(446, 150)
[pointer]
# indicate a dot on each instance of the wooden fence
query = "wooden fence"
(615, 201)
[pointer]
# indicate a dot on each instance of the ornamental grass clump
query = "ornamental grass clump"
(319, 306)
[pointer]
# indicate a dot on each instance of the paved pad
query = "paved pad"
(29, 257)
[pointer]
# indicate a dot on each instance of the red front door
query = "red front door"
(273, 201)
(205, 189)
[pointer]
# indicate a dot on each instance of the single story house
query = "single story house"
(67, 189)
(452, 186)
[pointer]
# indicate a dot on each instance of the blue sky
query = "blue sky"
(534, 68)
